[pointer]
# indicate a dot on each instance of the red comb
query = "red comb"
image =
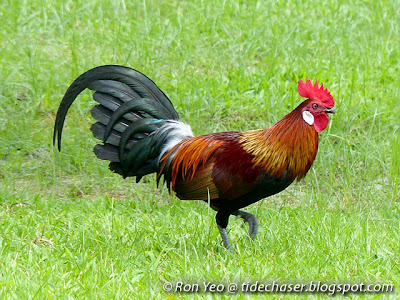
(314, 92)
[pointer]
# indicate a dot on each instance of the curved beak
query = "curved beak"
(330, 111)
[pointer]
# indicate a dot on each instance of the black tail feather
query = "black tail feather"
(103, 115)
(106, 152)
(115, 88)
(132, 113)
(136, 81)
(148, 106)
(114, 138)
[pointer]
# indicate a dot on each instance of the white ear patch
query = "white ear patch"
(308, 117)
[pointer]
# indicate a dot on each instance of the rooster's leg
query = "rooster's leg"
(249, 219)
(225, 238)
(222, 219)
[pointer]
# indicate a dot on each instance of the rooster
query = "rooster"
(142, 134)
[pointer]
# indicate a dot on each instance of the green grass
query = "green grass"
(72, 229)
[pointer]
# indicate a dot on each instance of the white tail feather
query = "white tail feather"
(178, 131)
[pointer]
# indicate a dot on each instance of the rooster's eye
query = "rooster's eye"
(314, 106)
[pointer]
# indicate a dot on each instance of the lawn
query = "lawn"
(70, 228)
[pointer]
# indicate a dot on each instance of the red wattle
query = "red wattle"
(320, 122)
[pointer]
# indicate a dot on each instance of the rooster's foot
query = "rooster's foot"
(249, 219)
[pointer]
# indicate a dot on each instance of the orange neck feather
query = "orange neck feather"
(291, 144)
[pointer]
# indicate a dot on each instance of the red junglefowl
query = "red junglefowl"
(142, 134)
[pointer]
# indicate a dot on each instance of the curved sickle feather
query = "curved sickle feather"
(137, 154)
(142, 126)
(150, 106)
(139, 82)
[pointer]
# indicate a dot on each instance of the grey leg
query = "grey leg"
(225, 238)
(222, 219)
